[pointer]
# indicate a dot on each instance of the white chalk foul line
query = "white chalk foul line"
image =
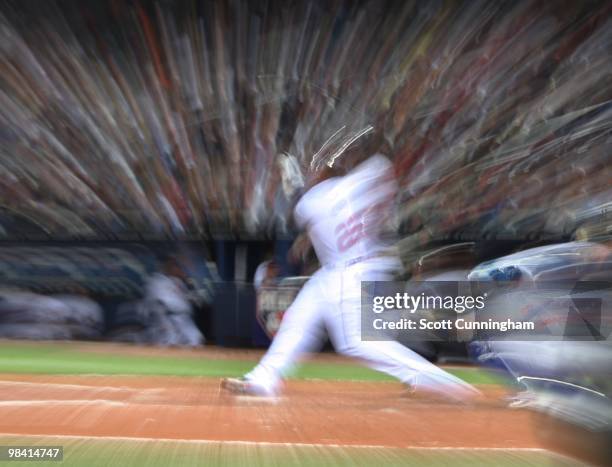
(84, 402)
(61, 385)
(93, 388)
(55, 402)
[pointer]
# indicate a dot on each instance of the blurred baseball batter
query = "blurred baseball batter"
(343, 217)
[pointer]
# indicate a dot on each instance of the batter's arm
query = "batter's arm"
(300, 248)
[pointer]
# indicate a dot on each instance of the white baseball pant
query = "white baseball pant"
(331, 300)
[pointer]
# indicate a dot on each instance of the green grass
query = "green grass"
(154, 453)
(33, 358)
(70, 358)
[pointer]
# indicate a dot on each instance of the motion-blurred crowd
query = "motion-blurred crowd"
(119, 293)
(167, 118)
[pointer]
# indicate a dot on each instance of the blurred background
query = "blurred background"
(150, 151)
(148, 137)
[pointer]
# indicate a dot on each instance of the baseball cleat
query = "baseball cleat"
(245, 387)
(522, 400)
(449, 392)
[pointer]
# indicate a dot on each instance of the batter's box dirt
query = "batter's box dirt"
(342, 413)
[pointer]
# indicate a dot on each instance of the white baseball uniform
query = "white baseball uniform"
(343, 217)
(166, 299)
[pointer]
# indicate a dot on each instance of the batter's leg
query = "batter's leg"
(344, 326)
(301, 331)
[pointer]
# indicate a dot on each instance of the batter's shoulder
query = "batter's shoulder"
(314, 201)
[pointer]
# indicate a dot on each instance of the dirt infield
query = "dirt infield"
(310, 412)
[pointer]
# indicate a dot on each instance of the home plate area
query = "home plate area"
(145, 420)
